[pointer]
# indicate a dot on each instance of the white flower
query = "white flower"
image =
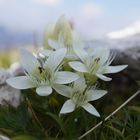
(96, 63)
(43, 76)
(79, 96)
(69, 45)
(61, 35)
(62, 27)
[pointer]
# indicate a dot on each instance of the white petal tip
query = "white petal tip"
(21, 82)
(91, 109)
(44, 90)
(103, 77)
(68, 107)
(125, 66)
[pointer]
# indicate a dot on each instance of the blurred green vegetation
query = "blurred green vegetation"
(37, 118)
(8, 57)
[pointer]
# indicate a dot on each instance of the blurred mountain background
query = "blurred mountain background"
(10, 38)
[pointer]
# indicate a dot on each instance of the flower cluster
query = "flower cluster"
(66, 67)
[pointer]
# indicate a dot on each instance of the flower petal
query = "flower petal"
(95, 94)
(21, 82)
(68, 107)
(55, 58)
(115, 69)
(53, 43)
(46, 52)
(81, 53)
(103, 77)
(79, 85)
(28, 61)
(102, 53)
(71, 57)
(63, 90)
(57, 44)
(78, 66)
(44, 90)
(89, 108)
(65, 77)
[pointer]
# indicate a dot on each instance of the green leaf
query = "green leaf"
(138, 83)
(135, 108)
(115, 130)
(58, 120)
(7, 132)
(15, 121)
(24, 137)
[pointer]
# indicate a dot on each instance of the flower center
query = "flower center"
(94, 66)
(69, 48)
(41, 69)
(42, 76)
(79, 98)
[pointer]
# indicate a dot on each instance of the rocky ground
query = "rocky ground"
(131, 57)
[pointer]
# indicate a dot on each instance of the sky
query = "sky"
(92, 18)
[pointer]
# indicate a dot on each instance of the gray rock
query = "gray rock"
(4, 138)
(131, 57)
(8, 95)
(4, 74)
